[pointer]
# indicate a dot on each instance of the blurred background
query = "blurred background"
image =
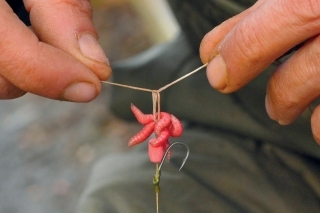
(48, 148)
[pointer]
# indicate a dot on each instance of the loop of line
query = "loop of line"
(156, 105)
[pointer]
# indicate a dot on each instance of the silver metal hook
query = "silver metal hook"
(167, 151)
(157, 175)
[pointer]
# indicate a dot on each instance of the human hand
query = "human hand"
(242, 47)
(59, 58)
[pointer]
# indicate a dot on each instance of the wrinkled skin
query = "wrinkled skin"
(242, 47)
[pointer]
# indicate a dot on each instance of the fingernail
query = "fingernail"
(90, 47)
(283, 123)
(269, 109)
(217, 73)
(80, 92)
(271, 113)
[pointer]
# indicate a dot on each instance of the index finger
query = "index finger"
(68, 25)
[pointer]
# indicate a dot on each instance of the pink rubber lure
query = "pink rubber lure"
(168, 125)
(140, 116)
(141, 136)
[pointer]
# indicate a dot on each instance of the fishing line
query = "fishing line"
(162, 88)
(156, 114)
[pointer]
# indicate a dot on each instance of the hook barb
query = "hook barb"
(167, 151)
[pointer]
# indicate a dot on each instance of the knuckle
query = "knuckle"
(248, 45)
(21, 70)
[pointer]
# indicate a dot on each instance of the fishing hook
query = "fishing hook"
(157, 175)
(167, 151)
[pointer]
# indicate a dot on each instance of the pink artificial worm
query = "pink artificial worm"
(168, 125)
(141, 117)
(161, 138)
(163, 122)
(176, 128)
(142, 135)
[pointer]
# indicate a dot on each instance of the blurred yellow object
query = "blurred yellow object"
(156, 15)
(158, 18)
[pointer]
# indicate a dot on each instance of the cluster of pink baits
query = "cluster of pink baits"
(168, 125)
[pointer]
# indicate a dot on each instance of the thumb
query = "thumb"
(210, 42)
(67, 25)
(36, 67)
(259, 39)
